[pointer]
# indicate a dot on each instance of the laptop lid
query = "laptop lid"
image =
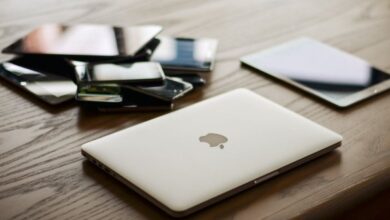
(195, 156)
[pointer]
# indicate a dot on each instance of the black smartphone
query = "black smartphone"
(113, 97)
(117, 94)
(186, 53)
(149, 73)
(170, 90)
(52, 88)
(195, 79)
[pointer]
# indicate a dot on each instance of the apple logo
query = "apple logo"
(214, 140)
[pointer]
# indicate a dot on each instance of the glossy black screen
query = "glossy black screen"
(85, 40)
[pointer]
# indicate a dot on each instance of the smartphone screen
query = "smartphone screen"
(140, 72)
(186, 53)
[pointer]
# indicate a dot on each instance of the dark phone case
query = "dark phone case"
(128, 97)
(29, 83)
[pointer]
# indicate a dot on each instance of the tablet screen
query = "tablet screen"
(85, 40)
(327, 70)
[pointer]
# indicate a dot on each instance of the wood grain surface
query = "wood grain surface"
(44, 176)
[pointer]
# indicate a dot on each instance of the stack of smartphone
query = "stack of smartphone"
(108, 68)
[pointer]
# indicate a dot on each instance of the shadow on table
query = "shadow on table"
(140, 205)
(284, 185)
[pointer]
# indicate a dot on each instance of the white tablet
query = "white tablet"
(196, 156)
(324, 71)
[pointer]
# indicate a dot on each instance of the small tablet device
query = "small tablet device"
(196, 156)
(186, 53)
(49, 87)
(99, 41)
(326, 72)
(134, 73)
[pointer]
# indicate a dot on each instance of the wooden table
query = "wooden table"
(44, 176)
